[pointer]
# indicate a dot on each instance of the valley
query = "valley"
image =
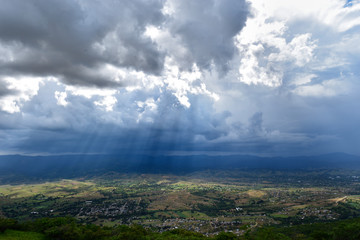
(207, 201)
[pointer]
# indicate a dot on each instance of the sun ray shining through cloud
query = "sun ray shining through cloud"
(260, 77)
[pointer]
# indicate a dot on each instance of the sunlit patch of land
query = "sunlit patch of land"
(339, 199)
(256, 193)
(207, 202)
(63, 188)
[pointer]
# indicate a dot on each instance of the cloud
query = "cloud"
(256, 125)
(73, 40)
(336, 14)
(5, 90)
(259, 77)
(207, 28)
(267, 53)
(61, 98)
(327, 88)
(18, 91)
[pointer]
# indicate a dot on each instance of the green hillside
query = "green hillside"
(71, 229)
(21, 235)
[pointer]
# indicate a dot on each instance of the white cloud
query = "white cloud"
(303, 79)
(61, 98)
(183, 83)
(328, 88)
(147, 110)
(106, 101)
(267, 51)
(23, 88)
(329, 12)
(299, 51)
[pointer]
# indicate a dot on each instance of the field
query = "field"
(206, 201)
(21, 235)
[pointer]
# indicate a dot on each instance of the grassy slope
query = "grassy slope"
(20, 235)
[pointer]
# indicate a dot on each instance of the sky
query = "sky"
(180, 77)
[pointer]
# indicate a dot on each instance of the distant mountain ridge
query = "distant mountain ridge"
(67, 166)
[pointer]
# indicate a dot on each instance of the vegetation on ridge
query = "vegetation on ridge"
(70, 229)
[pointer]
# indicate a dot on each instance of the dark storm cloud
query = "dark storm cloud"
(64, 38)
(94, 46)
(82, 128)
(207, 28)
(74, 39)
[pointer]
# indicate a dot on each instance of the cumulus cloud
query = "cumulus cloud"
(267, 53)
(74, 39)
(61, 98)
(207, 28)
(17, 91)
(258, 77)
